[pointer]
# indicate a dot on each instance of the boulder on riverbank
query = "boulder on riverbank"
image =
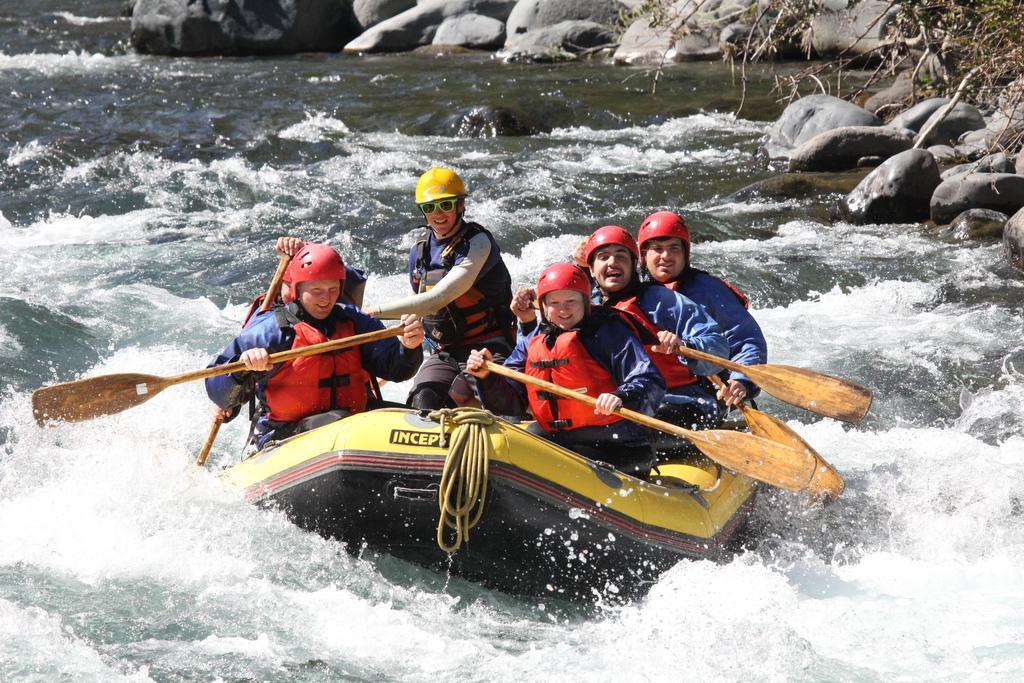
(993, 163)
(978, 223)
(474, 31)
(418, 25)
(842, 148)
(810, 116)
(851, 28)
(915, 117)
(1002, 192)
(961, 119)
(561, 41)
(689, 31)
(1013, 240)
(240, 27)
(533, 15)
(895, 95)
(898, 191)
(371, 12)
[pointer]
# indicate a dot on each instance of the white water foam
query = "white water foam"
(9, 346)
(49, 64)
(64, 230)
(20, 154)
(317, 126)
(76, 20)
(35, 645)
(675, 130)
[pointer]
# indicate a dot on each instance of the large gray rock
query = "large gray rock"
(711, 27)
(971, 150)
(530, 15)
(1018, 163)
(895, 95)
(700, 45)
(471, 30)
(961, 119)
(997, 191)
(840, 148)
(644, 43)
(371, 12)
(978, 223)
(418, 25)
(1013, 240)
(851, 30)
(993, 163)
(553, 42)
(1004, 126)
(809, 116)
(898, 191)
(239, 27)
(916, 116)
(943, 153)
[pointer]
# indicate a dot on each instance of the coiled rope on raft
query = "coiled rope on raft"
(463, 489)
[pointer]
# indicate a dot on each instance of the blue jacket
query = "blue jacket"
(747, 344)
(385, 358)
(674, 312)
(610, 341)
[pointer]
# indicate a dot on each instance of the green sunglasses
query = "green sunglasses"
(443, 204)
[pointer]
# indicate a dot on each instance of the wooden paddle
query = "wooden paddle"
(268, 301)
(87, 398)
(761, 459)
(826, 484)
(807, 389)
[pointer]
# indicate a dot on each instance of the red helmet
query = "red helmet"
(610, 234)
(314, 262)
(563, 276)
(664, 224)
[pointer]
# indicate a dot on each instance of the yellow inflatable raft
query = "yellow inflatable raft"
(549, 522)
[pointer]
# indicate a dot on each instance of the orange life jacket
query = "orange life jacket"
(314, 384)
(568, 364)
(676, 374)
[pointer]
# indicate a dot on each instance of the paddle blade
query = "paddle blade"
(761, 459)
(826, 483)
(85, 399)
(813, 391)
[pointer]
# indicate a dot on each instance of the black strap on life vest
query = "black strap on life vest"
(545, 364)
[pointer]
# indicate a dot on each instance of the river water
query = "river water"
(139, 199)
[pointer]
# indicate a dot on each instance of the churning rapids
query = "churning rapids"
(139, 200)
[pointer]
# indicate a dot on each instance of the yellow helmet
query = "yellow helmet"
(439, 183)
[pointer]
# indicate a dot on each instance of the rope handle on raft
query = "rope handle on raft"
(463, 490)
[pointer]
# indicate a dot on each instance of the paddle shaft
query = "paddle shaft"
(758, 458)
(87, 398)
(268, 301)
(550, 387)
(285, 356)
(275, 283)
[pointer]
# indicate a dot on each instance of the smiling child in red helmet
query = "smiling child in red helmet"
(578, 346)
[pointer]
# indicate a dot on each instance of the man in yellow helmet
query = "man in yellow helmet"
(462, 291)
